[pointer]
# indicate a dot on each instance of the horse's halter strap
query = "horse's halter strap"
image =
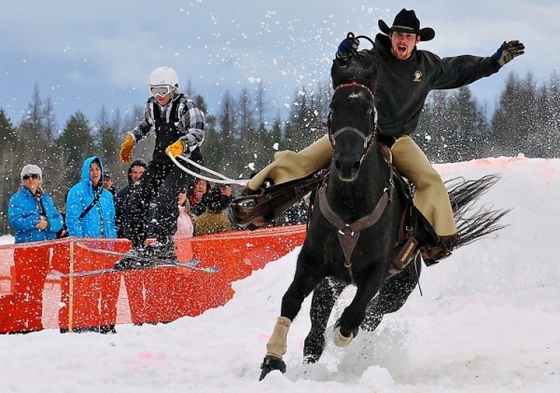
(348, 234)
(367, 139)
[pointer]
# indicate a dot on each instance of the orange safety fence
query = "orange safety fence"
(34, 295)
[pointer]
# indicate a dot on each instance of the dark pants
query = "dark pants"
(162, 181)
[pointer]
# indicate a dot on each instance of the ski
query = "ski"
(192, 264)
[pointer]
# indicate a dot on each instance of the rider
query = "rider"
(404, 75)
(179, 128)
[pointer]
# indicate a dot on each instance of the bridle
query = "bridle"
(349, 233)
(367, 139)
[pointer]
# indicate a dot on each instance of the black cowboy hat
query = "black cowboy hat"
(407, 22)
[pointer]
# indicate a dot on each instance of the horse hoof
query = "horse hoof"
(339, 339)
(271, 363)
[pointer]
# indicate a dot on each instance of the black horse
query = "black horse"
(354, 230)
(397, 287)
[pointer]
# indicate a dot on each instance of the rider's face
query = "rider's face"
(402, 44)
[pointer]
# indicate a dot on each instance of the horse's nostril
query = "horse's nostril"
(356, 165)
(337, 164)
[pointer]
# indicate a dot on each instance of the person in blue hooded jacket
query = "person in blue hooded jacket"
(35, 218)
(90, 212)
(90, 208)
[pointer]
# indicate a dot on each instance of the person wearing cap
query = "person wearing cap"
(401, 76)
(135, 284)
(35, 218)
(135, 170)
(178, 125)
(108, 182)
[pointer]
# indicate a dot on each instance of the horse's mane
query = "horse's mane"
(360, 67)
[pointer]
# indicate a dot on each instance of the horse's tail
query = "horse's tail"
(473, 225)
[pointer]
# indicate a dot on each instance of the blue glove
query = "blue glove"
(348, 46)
(508, 51)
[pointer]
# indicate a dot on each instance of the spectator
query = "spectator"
(108, 182)
(64, 231)
(90, 209)
(135, 285)
(135, 170)
(90, 212)
(184, 221)
(34, 217)
(197, 189)
(214, 219)
(179, 128)
(296, 214)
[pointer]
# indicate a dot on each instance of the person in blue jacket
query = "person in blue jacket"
(34, 218)
(90, 208)
(90, 212)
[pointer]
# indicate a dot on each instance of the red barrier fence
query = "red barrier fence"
(33, 297)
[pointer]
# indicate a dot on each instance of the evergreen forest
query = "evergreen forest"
(242, 137)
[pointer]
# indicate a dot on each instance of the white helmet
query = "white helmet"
(163, 76)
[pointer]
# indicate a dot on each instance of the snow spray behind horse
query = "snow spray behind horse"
(363, 231)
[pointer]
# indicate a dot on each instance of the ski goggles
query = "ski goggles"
(161, 90)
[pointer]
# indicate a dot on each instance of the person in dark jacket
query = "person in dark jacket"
(196, 191)
(179, 128)
(401, 75)
(135, 285)
(135, 170)
(34, 217)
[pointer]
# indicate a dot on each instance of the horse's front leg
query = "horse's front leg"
(347, 327)
(322, 303)
(276, 347)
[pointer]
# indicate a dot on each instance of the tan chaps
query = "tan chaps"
(430, 197)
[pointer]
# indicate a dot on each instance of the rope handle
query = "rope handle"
(222, 179)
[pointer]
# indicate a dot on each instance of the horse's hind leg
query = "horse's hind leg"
(324, 298)
(393, 295)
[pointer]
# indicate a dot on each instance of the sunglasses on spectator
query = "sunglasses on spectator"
(32, 176)
(161, 90)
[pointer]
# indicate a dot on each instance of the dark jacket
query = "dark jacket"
(402, 86)
(122, 194)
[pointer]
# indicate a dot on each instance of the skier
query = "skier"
(179, 128)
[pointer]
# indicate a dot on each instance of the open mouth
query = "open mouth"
(402, 49)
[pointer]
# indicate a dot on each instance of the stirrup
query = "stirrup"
(433, 254)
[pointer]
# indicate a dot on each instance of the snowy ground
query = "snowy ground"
(488, 321)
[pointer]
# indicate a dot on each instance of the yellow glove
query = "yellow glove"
(126, 149)
(176, 148)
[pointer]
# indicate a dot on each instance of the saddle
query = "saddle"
(254, 209)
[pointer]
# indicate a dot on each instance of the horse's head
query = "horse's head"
(351, 128)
